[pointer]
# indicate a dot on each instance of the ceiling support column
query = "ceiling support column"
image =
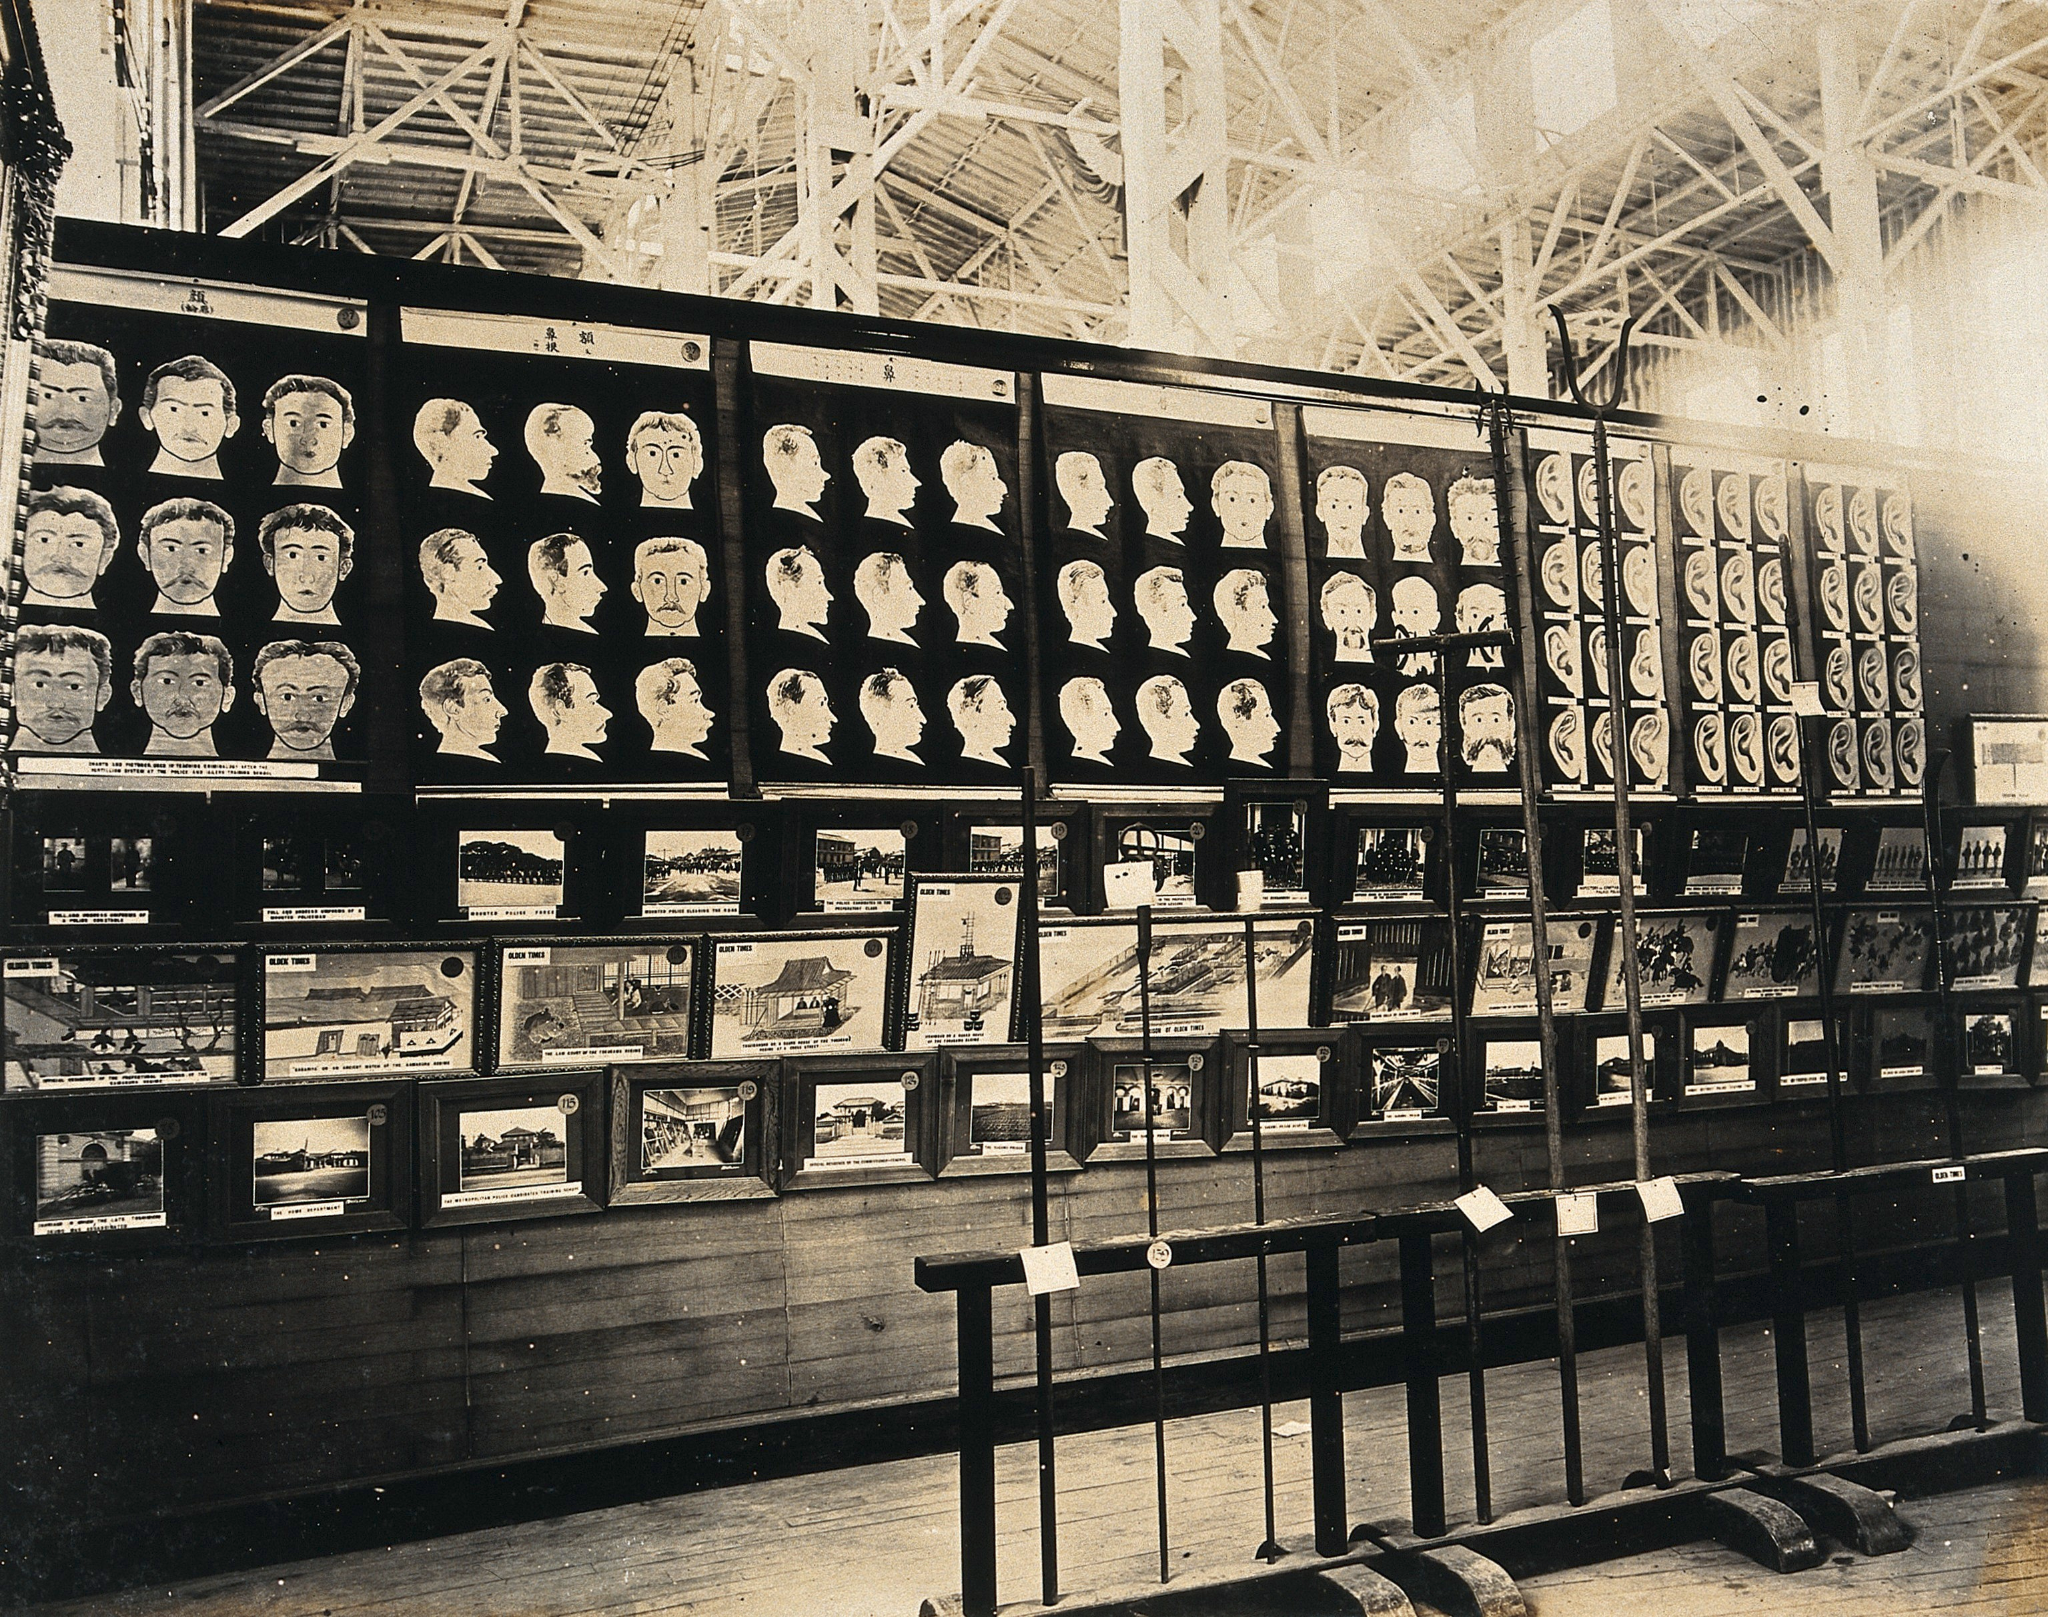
(1858, 256)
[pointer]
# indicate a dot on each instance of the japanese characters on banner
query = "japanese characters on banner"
(1404, 541)
(886, 571)
(1735, 613)
(565, 604)
(1575, 723)
(1165, 653)
(191, 603)
(1866, 632)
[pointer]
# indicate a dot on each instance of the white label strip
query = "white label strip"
(562, 339)
(899, 373)
(511, 1193)
(277, 914)
(890, 1159)
(592, 1055)
(93, 1226)
(157, 294)
(166, 768)
(99, 917)
(1145, 399)
(43, 966)
(1392, 427)
(308, 1210)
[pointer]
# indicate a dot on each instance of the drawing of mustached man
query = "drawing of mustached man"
(184, 682)
(186, 545)
(63, 680)
(69, 539)
(77, 400)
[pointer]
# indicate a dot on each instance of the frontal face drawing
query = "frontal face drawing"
(981, 713)
(1246, 713)
(309, 427)
(186, 551)
(60, 688)
(1242, 496)
(671, 578)
(890, 708)
(1082, 485)
(183, 690)
(190, 416)
(796, 584)
(309, 564)
(671, 700)
(1475, 521)
(304, 696)
(564, 698)
(1168, 718)
(791, 455)
(1486, 728)
(460, 575)
(1246, 610)
(451, 439)
(978, 490)
(1162, 599)
(75, 404)
(460, 703)
(1353, 712)
(1419, 722)
(65, 552)
(562, 441)
(798, 703)
(667, 455)
(882, 468)
(974, 590)
(1409, 510)
(1416, 611)
(1350, 610)
(1083, 591)
(1156, 482)
(1341, 508)
(1482, 609)
(1090, 718)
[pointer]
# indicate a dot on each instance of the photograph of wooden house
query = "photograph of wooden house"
(521, 1145)
(353, 1015)
(311, 1159)
(595, 1002)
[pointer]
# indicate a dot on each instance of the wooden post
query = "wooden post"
(977, 1450)
(1788, 1333)
(1419, 1369)
(1326, 1400)
(1703, 1342)
(2029, 1323)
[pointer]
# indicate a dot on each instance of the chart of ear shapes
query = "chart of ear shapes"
(885, 581)
(1404, 541)
(1165, 644)
(192, 603)
(1734, 614)
(1575, 723)
(1866, 633)
(565, 609)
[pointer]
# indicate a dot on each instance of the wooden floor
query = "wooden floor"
(875, 1539)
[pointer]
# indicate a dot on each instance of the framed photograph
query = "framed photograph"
(857, 1119)
(1385, 971)
(313, 1160)
(985, 1123)
(505, 875)
(494, 1149)
(1716, 860)
(2008, 759)
(606, 1002)
(1503, 865)
(789, 993)
(1722, 1057)
(1676, 955)
(368, 1012)
(1980, 857)
(1990, 1042)
(1797, 876)
(119, 1018)
(987, 844)
(1301, 1082)
(1600, 863)
(1986, 944)
(116, 1170)
(1185, 1098)
(315, 864)
(1900, 1039)
(1772, 955)
(858, 869)
(694, 873)
(1510, 1074)
(962, 960)
(1089, 975)
(1402, 1076)
(1803, 1058)
(1609, 1056)
(1885, 952)
(507, 864)
(1278, 845)
(2037, 856)
(1393, 863)
(1900, 864)
(704, 1132)
(1504, 966)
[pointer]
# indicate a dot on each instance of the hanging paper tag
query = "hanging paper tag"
(1660, 1199)
(1578, 1213)
(1126, 886)
(1050, 1268)
(1483, 1209)
(1806, 698)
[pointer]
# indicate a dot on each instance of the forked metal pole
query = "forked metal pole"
(1255, 1109)
(1152, 1223)
(1032, 1012)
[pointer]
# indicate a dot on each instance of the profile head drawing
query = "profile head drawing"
(459, 575)
(564, 698)
(184, 682)
(1486, 728)
(189, 404)
(459, 702)
(1090, 718)
(1161, 595)
(882, 468)
(1168, 718)
(308, 550)
(671, 578)
(1343, 506)
(1353, 713)
(563, 443)
(304, 688)
(1350, 609)
(889, 595)
(1419, 722)
(970, 474)
(78, 397)
(451, 439)
(1083, 589)
(670, 697)
(1409, 510)
(309, 421)
(974, 591)
(981, 713)
(1245, 609)
(666, 453)
(890, 709)
(1079, 477)
(1242, 496)
(564, 576)
(1416, 614)
(802, 710)
(63, 680)
(791, 455)
(186, 544)
(1246, 713)
(69, 540)
(1482, 609)
(1156, 482)
(1475, 521)
(796, 584)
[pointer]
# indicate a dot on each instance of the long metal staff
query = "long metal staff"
(1041, 1215)
(1255, 1112)
(1625, 856)
(1508, 504)
(1152, 1222)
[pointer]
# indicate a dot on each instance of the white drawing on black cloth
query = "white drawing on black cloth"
(1649, 744)
(1246, 713)
(1568, 743)
(1867, 595)
(1603, 741)
(1168, 718)
(1409, 510)
(1090, 718)
(1596, 655)
(890, 708)
(308, 550)
(309, 421)
(1901, 594)
(1156, 482)
(1738, 587)
(184, 682)
(1877, 755)
(889, 595)
(1710, 747)
(1342, 503)
(451, 439)
(1778, 668)
(671, 579)
(1475, 521)
(189, 404)
(796, 584)
(1827, 516)
(790, 454)
(1742, 668)
(1246, 608)
(1746, 747)
(77, 398)
(1083, 590)
(1350, 610)
(1870, 678)
(1863, 521)
(1419, 722)
(1554, 488)
(1834, 594)
(1646, 667)
(1078, 476)
(1416, 614)
(1589, 492)
(1561, 656)
(63, 680)
(978, 490)
(1482, 609)
(1241, 495)
(882, 468)
(1769, 509)
(666, 453)
(1560, 581)
(69, 540)
(1770, 589)
(564, 577)
(1695, 503)
(1897, 521)
(561, 440)
(186, 545)
(564, 698)
(801, 709)
(1632, 493)
(1842, 751)
(1731, 499)
(1486, 729)
(670, 697)
(974, 591)
(1700, 588)
(1353, 712)
(981, 713)
(1782, 746)
(1162, 600)
(1639, 579)
(304, 688)
(1593, 576)
(460, 577)
(459, 702)
(1906, 678)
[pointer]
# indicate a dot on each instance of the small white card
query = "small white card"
(1578, 1213)
(1483, 1209)
(1125, 886)
(1660, 1199)
(1050, 1268)
(1806, 698)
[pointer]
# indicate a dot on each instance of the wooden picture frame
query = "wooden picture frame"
(312, 1159)
(979, 1132)
(516, 1146)
(108, 1017)
(588, 1002)
(105, 1172)
(1187, 1115)
(415, 1011)
(880, 1105)
(702, 1131)
(1308, 1076)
